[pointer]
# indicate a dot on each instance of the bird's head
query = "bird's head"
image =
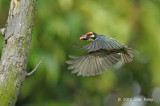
(90, 36)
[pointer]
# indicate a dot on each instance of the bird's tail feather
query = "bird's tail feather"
(127, 56)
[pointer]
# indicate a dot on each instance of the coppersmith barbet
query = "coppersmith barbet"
(102, 53)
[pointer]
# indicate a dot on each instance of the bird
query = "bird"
(102, 53)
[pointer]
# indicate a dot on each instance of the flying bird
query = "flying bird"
(102, 53)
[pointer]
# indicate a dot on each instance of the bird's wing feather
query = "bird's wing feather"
(102, 42)
(91, 64)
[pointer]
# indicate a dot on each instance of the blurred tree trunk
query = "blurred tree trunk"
(16, 49)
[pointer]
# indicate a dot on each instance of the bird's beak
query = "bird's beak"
(83, 37)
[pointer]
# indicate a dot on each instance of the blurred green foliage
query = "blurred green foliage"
(58, 26)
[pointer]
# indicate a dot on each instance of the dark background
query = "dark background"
(58, 26)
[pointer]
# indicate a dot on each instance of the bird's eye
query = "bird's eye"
(92, 36)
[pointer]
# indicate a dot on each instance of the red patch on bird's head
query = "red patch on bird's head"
(89, 33)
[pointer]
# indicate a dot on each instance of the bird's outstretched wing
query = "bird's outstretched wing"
(102, 42)
(91, 64)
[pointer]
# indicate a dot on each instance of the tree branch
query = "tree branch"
(30, 73)
(15, 50)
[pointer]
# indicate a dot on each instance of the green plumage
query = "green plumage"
(103, 42)
(103, 53)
